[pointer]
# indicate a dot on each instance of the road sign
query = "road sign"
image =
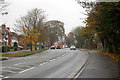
(6, 39)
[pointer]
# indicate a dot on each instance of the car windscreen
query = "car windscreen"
(72, 47)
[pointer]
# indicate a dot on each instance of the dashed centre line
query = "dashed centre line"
(43, 63)
(51, 60)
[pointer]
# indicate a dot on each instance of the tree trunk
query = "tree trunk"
(39, 45)
(31, 46)
(35, 46)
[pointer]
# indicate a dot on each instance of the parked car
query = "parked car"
(52, 47)
(72, 47)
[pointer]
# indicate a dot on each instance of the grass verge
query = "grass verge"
(22, 54)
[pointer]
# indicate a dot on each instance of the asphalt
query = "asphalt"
(58, 63)
(61, 64)
(100, 66)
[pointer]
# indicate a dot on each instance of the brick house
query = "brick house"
(13, 37)
(7, 38)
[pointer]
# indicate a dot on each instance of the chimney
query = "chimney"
(8, 28)
(3, 26)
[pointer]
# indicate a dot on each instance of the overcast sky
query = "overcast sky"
(66, 11)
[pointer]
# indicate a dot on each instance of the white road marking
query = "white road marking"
(15, 68)
(1, 76)
(58, 57)
(20, 63)
(6, 77)
(43, 63)
(52, 59)
(26, 70)
(23, 65)
(8, 71)
(28, 57)
(79, 72)
(78, 68)
(3, 67)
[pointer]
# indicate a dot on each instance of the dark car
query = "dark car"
(58, 47)
(72, 48)
(52, 47)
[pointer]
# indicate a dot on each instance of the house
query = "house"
(13, 37)
(4, 35)
(7, 38)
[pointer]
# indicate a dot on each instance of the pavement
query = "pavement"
(100, 66)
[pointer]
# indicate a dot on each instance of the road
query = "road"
(58, 63)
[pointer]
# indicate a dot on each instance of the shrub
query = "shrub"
(5, 48)
(15, 46)
(0, 48)
(11, 49)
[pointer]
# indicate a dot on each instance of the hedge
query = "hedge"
(5, 48)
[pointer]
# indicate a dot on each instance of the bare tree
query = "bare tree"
(56, 30)
(3, 5)
(30, 25)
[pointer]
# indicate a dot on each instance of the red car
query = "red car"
(52, 47)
